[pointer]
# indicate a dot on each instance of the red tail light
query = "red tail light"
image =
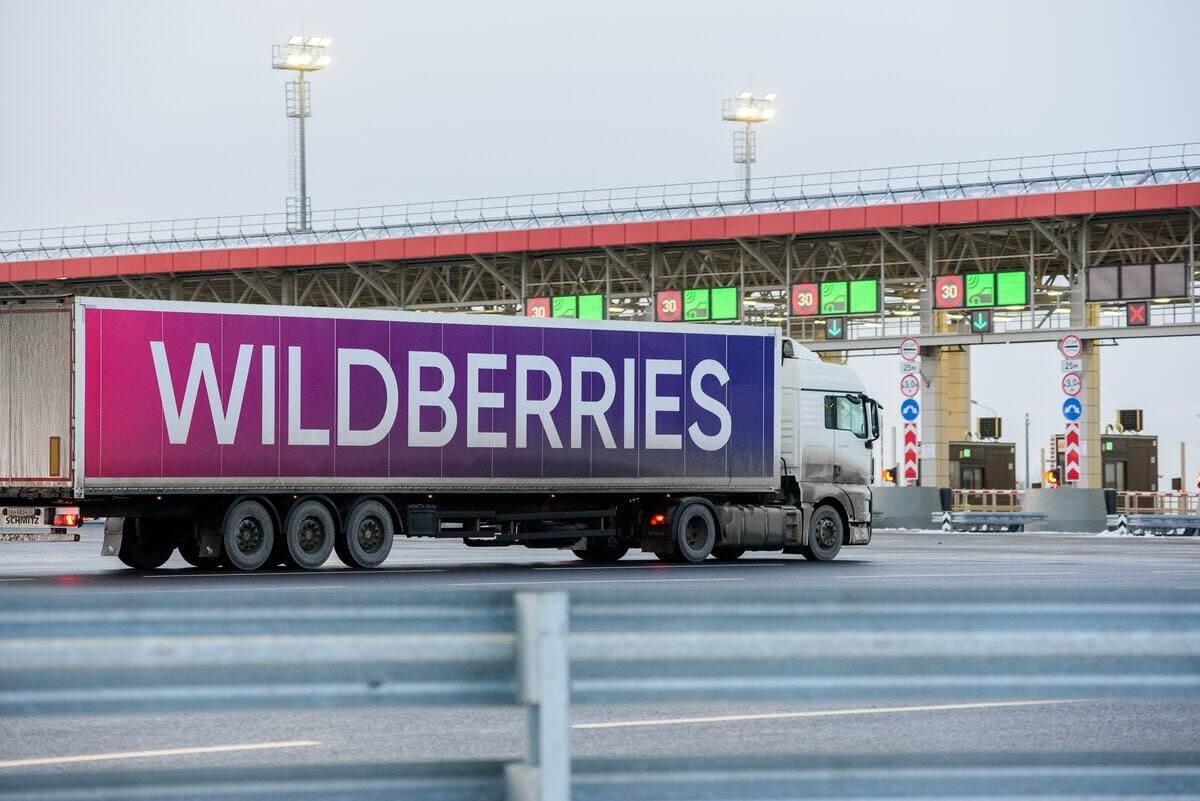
(658, 520)
(67, 516)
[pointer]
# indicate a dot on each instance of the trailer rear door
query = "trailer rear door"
(35, 395)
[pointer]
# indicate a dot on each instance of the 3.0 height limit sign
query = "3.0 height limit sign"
(910, 410)
(1071, 347)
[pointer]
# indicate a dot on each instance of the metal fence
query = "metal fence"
(1094, 169)
(108, 652)
(1162, 503)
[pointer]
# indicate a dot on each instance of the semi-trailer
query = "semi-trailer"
(247, 436)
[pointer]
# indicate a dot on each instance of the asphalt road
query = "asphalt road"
(894, 560)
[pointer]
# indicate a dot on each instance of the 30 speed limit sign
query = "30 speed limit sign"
(1072, 384)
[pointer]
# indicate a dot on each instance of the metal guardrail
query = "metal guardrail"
(985, 521)
(102, 652)
(1176, 523)
(1093, 169)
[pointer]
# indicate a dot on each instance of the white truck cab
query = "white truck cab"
(828, 429)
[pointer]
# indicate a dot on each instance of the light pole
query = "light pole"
(1027, 450)
(747, 110)
(300, 54)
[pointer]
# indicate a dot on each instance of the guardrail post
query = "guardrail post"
(543, 686)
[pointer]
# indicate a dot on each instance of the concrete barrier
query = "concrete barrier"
(905, 507)
(1067, 509)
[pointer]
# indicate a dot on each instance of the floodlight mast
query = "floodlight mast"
(747, 110)
(300, 54)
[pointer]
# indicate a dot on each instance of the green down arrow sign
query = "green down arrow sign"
(835, 328)
(981, 321)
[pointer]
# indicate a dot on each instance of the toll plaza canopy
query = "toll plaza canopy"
(865, 245)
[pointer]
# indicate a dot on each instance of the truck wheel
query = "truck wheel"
(144, 546)
(825, 535)
(727, 553)
(247, 534)
(695, 533)
(367, 540)
(602, 550)
(309, 532)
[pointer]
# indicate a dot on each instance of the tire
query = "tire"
(602, 550)
(727, 553)
(308, 534)
(247, 535)
(367, 539)
(695, 532)
(144, 544)
(825, 534)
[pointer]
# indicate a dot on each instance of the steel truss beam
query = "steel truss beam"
(761, 267)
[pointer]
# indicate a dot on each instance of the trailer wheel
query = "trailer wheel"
(367, 540)
(825, 535)
(727, 553)
(309, 533)
(602, 550)
(247, 535)
(695, 533)
(144, 546)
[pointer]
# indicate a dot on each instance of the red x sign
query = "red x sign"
(1137, 313)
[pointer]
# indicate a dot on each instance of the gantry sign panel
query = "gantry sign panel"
(836, 298)
(696, 305)
(583, 307)
(981, 290)
(1118, 282)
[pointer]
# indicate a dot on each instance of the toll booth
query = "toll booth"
(1128, 462)
(983, 465)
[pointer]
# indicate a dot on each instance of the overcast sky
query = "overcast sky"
(121, 111)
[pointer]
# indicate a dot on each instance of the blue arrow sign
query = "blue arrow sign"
(909, 409)
(1072, 409)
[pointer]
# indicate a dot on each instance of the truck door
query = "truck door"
(848, 415)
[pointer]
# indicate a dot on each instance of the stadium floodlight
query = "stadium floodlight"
(747, 110)
(300, 54)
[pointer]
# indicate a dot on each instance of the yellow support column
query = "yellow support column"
(1090, 473)
(945, 409)
(832, 356)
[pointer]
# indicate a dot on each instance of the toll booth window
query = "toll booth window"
(846, 414)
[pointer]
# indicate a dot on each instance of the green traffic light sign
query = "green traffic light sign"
(980, 321)
(835, 328)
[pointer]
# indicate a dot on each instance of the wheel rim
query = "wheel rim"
(825, 533)
(312, 535)
(249, 535)
(370, 535)
(695, 533)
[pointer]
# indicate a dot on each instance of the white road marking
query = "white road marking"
(653, 566)
(957, 575)
(16, 579)
(162, 752)
(580, 583)
(825, 713)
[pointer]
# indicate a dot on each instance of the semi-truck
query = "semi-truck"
(248, 436)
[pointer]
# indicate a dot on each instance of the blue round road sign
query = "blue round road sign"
(909, 409)
(1072, 409)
